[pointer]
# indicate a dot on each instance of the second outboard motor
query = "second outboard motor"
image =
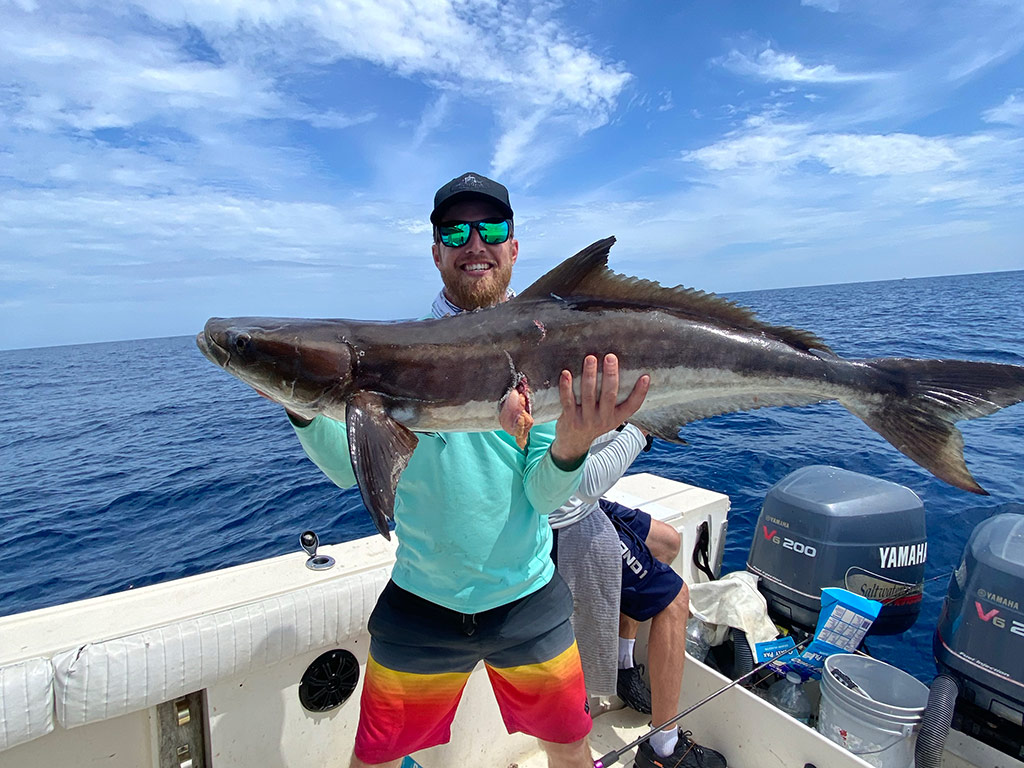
(827, 527)
(979, 641)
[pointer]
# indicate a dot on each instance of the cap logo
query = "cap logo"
(470, 180)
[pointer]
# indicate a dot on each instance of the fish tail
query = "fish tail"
(919, 402)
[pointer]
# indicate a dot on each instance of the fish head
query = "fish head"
(305, 365)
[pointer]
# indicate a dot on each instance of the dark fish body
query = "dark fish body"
(705, 357)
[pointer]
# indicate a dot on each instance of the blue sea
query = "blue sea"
(129, 463)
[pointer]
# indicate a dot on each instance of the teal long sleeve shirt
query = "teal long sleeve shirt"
(470, 511)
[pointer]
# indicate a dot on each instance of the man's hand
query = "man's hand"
(514, 418)
(581, 422)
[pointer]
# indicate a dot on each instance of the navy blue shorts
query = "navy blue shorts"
(648, 585)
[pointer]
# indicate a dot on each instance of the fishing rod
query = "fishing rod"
(613, 757)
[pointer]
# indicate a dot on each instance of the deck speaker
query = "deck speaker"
(329, 681)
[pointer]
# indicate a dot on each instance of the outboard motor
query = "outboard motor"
(979, 641)
(827, 527)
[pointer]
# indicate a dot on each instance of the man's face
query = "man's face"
(475, 275)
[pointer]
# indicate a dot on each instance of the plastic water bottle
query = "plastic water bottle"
(697, 642)
(789, 695)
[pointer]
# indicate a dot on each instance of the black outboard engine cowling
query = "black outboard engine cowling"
(979, 640)
(827, 527)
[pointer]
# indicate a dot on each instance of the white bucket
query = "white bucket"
(878, 722)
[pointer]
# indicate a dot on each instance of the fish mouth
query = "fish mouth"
(212, 350)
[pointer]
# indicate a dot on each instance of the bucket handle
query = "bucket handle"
(905, 730)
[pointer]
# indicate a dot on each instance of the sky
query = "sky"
(164, 161)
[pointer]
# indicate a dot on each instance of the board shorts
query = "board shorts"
(648, 585)
(421, 655)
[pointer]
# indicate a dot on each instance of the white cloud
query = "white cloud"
(771, 65)
(882, 155)
(86, 72)
(785, 145)
(64, 79)
(896, 62)
(832, 6)
(432, 118)
(519, 135)
(1000, 36)
(806, 184)
(512, 55)
(747, 150)
(1011, 111)
(201, 237)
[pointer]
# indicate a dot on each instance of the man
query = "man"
(473, 577)
(650, 590)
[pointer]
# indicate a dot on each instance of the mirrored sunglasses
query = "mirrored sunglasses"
(455, 234)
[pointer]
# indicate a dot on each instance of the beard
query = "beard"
(474, 293)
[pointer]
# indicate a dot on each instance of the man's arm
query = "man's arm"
(606, 465)
(325, 441)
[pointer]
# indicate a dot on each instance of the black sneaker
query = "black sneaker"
(687, 754)
(633, 689)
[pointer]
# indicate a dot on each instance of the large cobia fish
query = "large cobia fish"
(705, 355)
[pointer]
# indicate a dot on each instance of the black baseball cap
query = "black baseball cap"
(466, 186)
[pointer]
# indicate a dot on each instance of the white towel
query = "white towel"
(590, 561)
(733, 601)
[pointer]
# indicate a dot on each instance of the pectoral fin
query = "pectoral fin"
(380, 448)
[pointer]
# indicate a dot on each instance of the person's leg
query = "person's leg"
(537, 678)
(667, 642)
(630, 684)
(627, 631)
(418, 664)
(574, 755)
(664, 541)
(666, 653)
(651, 589)
(402, 712)
(633, 527)
(545, 699)
(357, 763)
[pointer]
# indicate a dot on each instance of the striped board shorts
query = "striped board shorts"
(421, 655)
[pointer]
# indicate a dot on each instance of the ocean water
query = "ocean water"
(130, 463)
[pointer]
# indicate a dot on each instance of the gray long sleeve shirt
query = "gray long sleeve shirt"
(609, 458)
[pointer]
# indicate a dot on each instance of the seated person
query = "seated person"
(648, 589)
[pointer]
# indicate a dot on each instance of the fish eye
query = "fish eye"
(242, 342)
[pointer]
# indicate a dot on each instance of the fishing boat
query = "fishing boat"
(260, 665)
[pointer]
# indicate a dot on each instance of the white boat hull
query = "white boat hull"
(82, 684)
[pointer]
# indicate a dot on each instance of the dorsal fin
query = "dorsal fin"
(563, 280)
(585, 282)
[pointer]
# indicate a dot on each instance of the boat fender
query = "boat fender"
(743, 657)
(938, 715)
